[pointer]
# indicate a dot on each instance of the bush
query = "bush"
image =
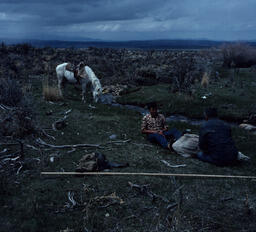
(23, 49)
(51, 93)
(11, 93)
(184, 71)
(238, 55)
(16, 115)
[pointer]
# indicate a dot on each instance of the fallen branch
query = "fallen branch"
(9, 144)
(141, 188)
(41, 142)
(4, 107)
(60, 123)
(21, 166)
(70, 151)
(48, 136)
(32, 147)
(146, 174)
(67, 112)
(142, 145)
(173, 166)
(145, 190)
(3, 151)
(226, 199)
(117, 141)
(171, 206)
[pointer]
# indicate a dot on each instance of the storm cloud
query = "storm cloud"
(128, 19)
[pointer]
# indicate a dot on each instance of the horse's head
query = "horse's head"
(97, 94)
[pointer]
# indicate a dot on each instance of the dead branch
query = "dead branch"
(48, 136)
(178, 189)
(67, 112)
(41, 142)
(171, 206)
(107, 205)
(71, 199)
(21, 166)
(9, 144)
(144, 190)
(112, 197)
(118, 141)
(60, 123)
(32, 147)
(226, 199)
(142, 145)
(72, 150)
(3, 151)
(4, 107)
(173, 166)
(141, 188)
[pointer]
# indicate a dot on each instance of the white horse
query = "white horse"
(95, 83)
(81, 75)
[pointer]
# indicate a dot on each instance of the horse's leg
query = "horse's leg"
(60, 84)
(95, 96)
(84, 84)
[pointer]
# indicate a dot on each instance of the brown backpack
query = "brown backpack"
(90, 162)
(95, 162)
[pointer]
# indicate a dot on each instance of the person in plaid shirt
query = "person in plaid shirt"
(154, 126)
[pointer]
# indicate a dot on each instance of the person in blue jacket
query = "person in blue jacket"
(215, 141)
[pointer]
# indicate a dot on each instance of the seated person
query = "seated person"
(215, 141)
(153, 125)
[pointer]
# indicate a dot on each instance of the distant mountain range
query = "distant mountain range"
(136, 44)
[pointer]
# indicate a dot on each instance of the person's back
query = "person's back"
(215, 140)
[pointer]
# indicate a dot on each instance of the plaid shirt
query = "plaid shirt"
(150, 123)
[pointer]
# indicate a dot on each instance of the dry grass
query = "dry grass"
(51, 93)
(205, 80)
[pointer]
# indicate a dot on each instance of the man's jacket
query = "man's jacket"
(216, 141)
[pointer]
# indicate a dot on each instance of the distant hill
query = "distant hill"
(136, 44)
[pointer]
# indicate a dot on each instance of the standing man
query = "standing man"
(215, 141)
(153, 125)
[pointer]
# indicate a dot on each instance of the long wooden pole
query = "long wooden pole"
(145, 174)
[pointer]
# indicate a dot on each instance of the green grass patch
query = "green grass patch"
(40, 203)
(234, 100)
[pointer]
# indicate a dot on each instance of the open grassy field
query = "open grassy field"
(32, 202)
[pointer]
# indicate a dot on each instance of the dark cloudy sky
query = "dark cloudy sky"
(128, 19)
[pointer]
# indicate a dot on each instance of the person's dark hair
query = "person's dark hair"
(211, 112)
(152, 105)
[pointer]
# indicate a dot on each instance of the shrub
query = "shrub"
(16, 115)
(184, 71)
(51, 93)
(205, 80)
(23, 49)
(11, 93)
(238, 55)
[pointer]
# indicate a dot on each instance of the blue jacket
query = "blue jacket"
(216, 141)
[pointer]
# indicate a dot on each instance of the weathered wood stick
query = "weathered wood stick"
(9, 144)
(146, 174)
(41, 142)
